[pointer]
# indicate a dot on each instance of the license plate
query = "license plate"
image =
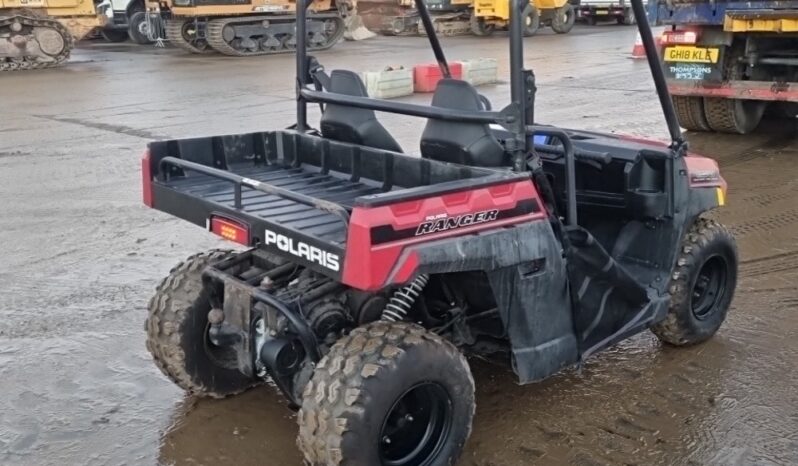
(689, 54)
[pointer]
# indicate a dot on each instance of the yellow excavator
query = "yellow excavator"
(248, 27)
(36, 34)
(456, 17)
(490, 15)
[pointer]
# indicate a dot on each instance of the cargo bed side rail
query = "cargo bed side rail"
(239, 182)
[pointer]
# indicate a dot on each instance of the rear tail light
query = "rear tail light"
(146, 179)
(685, 36)
(230, 230)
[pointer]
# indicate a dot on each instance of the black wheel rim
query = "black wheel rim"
(709, 287)
(416, 427)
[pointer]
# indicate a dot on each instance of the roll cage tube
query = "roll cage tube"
(657, 73)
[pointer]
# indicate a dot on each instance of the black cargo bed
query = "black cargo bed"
(273, 208)
(297, 184)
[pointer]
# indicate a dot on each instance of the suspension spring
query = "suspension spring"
(402, 300)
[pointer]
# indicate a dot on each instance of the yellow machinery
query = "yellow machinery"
(248, 27)
(490, 15)
(454, 17)
(399, 17)
(37, 34)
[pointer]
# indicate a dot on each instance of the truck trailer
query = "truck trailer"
(728, 63)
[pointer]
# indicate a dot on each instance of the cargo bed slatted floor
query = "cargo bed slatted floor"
(281, 211)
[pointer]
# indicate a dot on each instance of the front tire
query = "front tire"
(139, 28)
(564, 19)
(389, 393)
(177, 332)
(702, 285)
(531, 17)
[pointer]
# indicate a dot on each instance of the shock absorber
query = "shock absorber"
(402, 300)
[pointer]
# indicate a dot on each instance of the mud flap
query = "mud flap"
(608, 303)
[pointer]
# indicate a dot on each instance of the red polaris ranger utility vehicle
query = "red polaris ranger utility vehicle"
(371, 273)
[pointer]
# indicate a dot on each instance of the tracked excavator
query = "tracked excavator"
(248, 27)
(36, 34)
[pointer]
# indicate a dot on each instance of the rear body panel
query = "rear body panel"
(337, 180)
(761, 34)
(705, 13)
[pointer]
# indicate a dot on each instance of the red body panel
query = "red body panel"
(703, 171)
(371, 265)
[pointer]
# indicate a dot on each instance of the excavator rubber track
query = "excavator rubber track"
(35, 24)
(176, 31)
(268, 35)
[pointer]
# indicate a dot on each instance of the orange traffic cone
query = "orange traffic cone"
(638, 51)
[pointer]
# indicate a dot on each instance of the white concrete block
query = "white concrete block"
(480, 71)
(389, 83)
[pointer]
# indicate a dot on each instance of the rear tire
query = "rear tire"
(690, 112)
(564, 19)
(702, 285)
(114, 35)
(480, 28)
(177, 329)
(384, 391)
(733, 115)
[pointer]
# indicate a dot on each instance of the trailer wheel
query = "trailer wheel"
(702, 285)
(114, 35)
(531, 20)
(690, 112)
(628, 18)
(481, 28)
(177, 332)
(139, 28)
(733, 115)
(564, 19)
(390, 394)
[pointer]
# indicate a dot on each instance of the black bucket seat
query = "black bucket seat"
(459, 142)
(350, 124)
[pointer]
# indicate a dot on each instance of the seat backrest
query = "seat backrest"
(350, 124)
(458, 142)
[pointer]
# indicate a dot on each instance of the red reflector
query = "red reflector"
(230, 229)
(687, 36)
(146, 179)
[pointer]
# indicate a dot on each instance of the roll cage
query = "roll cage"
(518, 118)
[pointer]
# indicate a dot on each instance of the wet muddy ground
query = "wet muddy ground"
(81, 256)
